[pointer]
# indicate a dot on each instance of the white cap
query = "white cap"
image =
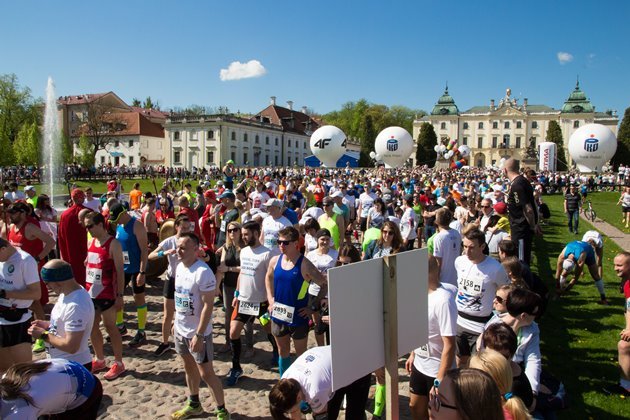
(497, 187)
(595, 236)
(274, 202)
(336, 194)
(29, 188)
(568, 265)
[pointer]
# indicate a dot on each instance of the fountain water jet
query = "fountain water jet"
(52, 138)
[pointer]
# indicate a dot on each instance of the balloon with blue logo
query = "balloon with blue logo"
(591, 146)
(328, 144)
(394, 145)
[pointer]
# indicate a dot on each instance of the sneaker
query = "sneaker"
(221, 414)
(122, 329)
(139, 339)
(117, 369)
(604, 302)
(188, 411)
(162, 348)
(39, 346)
(233, 376)
(98, 365)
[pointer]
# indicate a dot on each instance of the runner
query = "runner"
(150, 223)
(332, 222)
(71, 236)
(572, 258)
(273, 224)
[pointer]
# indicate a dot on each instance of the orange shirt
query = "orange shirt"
(134, 199)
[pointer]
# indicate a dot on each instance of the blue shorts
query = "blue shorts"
(577, 248)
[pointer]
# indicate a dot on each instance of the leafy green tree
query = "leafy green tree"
(26, 146)
(85, 157)
(622, 155)
(554, 134)
(136, 102)
(367, 134)
(149, 104)
(17, 107)
(6, 157)
(67, 152)
(427, 140)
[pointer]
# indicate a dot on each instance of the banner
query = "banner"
(547, 156)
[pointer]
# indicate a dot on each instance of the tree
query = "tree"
(85, 156)
(101, 123)
(622, 155)
(427, 140)
(149, 104)
(67, 152)
(26, 146)
(136, 102)
(554, 135)
(368, 137)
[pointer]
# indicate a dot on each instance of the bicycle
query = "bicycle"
(589, 213)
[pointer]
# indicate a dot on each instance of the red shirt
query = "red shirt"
(17, 238)
(100, 280)
(194, 217)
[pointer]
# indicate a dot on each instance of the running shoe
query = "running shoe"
(139, 339)
(188, 411)
(162, 348)
(233, 376)
(221, 414)
(604, 302)
(117, 369)
(39, 346)
(122, 329)
(98, 365)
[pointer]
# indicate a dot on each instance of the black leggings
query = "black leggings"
(356, 399)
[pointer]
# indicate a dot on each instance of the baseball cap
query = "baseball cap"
(228, 194)
(29, 188)
(210, 195)
(568, 265)
(115, 211)
(500, 208)
(595, 236)
(337, 194)
(497, 187)
(274, 202)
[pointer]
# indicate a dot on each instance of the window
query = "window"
(233, 156)
(257, 139)
(506, 124)
(209, 157)
(233, 135)
(518, 143)
(266, 160)
(480, 126)
(576, 124)
(519, 124)
(131, 160)
(443, 126)
(117, 161)
(116, 143)
(534, 124)
(193, 135)
(494, 162)
(289, 143)
(495, 125)
(245, 160)
(245, 137)
(479, 142)
(465, 126)
(176, 135)
(506, 141)
(494, 142)
(276, 143)
(210, 134)
(177, 157)
(267, 141)
(465, 140)
(276, 160)
(130, 143)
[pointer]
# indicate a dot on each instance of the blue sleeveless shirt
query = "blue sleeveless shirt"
(290, 289)
(130, 248)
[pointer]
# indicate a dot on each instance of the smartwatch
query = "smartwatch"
(436, 383)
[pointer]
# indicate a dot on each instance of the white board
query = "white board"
(356, 312)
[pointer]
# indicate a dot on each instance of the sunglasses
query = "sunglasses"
(436, 403)
(499, 299)
(285, 243)
(89, 226)
(233, 230)
(387, 232)
(328, 205)
(485, 207)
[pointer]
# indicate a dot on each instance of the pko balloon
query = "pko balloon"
(394, 145)
(591, 146)
(328, 144)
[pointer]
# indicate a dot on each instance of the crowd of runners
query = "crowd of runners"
(261, 241)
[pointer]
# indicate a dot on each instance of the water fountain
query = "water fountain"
(52, 140)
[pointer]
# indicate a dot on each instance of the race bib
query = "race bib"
(183, 304)
(283, 312)
(126, 259)
(471, 286)
(247, 308)
(223, 223)
(423, 351)
(313, 289)
(94, 276)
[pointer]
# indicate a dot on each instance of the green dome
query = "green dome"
(577, 102)
(445, 105)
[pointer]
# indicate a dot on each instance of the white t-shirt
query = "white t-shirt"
(366, 200)
(476, 287)
(72, 313)
(16, 273)
(442, 323)
(311, 213)
(310, 243)
(447, 245)
(493, 240)
(173, 261)
(484, 221)
(258, 199)
(313, 371)
(271, 227)
(408, 224)
(190, 282)
(251, 283)
(94, 204)
(323, 263)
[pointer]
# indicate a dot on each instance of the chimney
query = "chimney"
(290, 105)
(273, 100)
(525, 102)
(304, 109)
(491, 103)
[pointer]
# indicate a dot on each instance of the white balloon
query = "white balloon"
(591, 146)
(394, 145)
(464, 150)
(328, 144)
(377, 156)
(436, 148)
(442, 148)
(372, 154)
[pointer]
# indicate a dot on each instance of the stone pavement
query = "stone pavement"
(620, 238)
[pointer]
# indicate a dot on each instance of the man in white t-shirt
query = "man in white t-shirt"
(272, 224)
(250, 297)
(408, 224)
(67, 333)
(259, 197)
(308, 379)
(428, 364)
(19, 287)
(447, 245)
(195, 288)
(366, 201)
(486, 212)
(478, 278)
(92, 202)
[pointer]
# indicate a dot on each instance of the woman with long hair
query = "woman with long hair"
(390, 242)
(377, 212)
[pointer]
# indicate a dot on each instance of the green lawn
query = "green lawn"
(579, 337)
(100, 187)
(604, 204)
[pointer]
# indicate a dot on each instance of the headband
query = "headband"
(507, 396)
(62, 273)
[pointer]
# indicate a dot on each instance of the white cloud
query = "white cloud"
(237, 70)
(564, 57)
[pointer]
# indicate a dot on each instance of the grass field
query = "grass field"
(579, 336)
(604, 204)
(100, 187)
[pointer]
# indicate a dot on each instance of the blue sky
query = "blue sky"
(321, 53)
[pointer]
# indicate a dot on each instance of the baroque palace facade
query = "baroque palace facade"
(505, 129)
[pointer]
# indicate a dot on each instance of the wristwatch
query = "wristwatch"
(142, 272)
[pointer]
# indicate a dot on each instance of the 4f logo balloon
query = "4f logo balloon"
(591, 145)
(321, 143)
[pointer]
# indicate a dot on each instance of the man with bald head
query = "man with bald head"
(522, 210)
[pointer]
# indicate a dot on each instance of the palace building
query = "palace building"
(505, 129)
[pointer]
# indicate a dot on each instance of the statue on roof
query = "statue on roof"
(531, 152)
